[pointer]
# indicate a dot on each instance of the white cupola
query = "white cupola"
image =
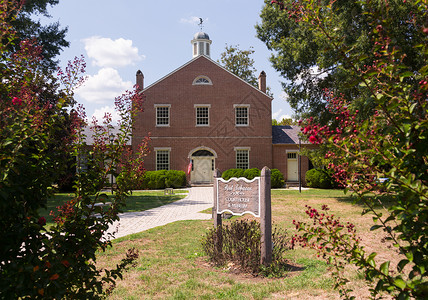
(201, 44)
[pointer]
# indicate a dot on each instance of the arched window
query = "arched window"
(202, 80)
(202, 153)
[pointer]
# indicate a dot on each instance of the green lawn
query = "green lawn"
(138, 201)
(172, 264)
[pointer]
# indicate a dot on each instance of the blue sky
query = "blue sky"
(118, 38)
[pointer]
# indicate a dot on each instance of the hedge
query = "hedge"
(226, 175)
(319, 178)
(276, 177)
(158, 180)
(251, 173)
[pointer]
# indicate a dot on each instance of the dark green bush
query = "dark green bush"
(232, 173)
(175, 179)
(154, 180)
(157, 180)
(276, 179)
(251, 173)
(319, 178)
(239, 243)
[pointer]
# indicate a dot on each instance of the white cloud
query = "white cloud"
(314, 72)
(106, 52)
(284, 96)
(278, 116)
(100, 112)
(192, 20)
(103, 87)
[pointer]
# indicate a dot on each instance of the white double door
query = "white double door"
(202, 170)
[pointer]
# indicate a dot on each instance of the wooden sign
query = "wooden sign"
(238, 196)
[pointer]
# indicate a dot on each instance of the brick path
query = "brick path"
(198, 199)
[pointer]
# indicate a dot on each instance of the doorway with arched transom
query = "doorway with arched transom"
(203, 165)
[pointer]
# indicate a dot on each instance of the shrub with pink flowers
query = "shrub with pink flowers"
(37, 262)
(376, 154)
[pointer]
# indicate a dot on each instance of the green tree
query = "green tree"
(51, 36)
(284, 121)
(381, 157)
(55, 262)
(239, 63)
(45, 42)
(310, 63)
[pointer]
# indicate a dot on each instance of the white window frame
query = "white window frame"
(207, 47)
(201, 48)
(238, 150)
(292, 152)
(202, 80)
(207, 106)
(157, 163)
(235, 107)
(168, 106)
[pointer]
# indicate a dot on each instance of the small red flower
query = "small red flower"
(54, 277)
(16, 101)
(312, 139)
(42, 221)
(65, 263)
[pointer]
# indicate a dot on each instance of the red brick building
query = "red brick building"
(201, 117)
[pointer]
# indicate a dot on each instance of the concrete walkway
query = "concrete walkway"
(198, 199)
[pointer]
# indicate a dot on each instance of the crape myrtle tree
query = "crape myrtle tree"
(311, 64)
(51, 39)
(390, 142)
(58, 261)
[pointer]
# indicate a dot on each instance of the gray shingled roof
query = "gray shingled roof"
(287, 134)
(90, 139)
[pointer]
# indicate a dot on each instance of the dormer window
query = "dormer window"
(202, 80)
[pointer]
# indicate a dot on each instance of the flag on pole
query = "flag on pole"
(189, 167)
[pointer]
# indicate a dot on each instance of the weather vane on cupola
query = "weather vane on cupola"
(201, 21)
(201, 42)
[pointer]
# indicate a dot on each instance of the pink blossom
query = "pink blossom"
(16, 101)
(312, 139)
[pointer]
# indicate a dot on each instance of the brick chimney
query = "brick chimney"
(262, 81)
(140, 80)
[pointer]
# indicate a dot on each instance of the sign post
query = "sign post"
(240, 196)
(266, 218)
(216, 215)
